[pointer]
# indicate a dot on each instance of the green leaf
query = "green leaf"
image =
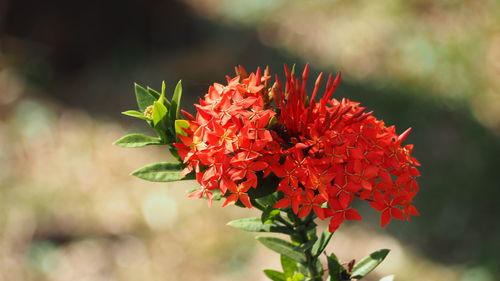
(367, 264)
(136, 140)
(298, 277)
(180, 125)
(282, 247)
(268, 200)
(136, 114)
(176, 101)
(274, 275)
(247, 224)
(153, 92)
(321, 243)
(255, 225)
(163, 87)
(157, 95)
(269, 214)
(143, 97)
(159, 111)
(289, 266)
(335, 268)
(308, 245)
(160, 172)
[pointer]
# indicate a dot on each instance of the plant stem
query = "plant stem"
(311, 260)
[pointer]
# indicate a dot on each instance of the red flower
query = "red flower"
(238, 192)
(325, 152)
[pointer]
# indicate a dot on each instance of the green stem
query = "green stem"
(311, 260)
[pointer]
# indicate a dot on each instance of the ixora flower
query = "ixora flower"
(324, 153)
(272, 145)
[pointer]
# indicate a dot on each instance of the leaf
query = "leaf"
(335, 268)
(143, 97)
(321, 243)
(298, 277)
(255, 225)
(308, 245)
(268, 200)
(282, 247)
(367, 264)
(269, 214)
(289, 266)
(180, 125)
(153, 92)
(136, 140)
(176, 101)
(247, 224)
(160, 172)
(136, 114)
(274, 275)
(159, 111)
(157, 96)
(163, 87)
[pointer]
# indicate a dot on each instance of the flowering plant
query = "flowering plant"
(274, 147)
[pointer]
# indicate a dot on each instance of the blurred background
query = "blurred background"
(70, 211)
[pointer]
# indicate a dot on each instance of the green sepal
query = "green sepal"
(369, 263)
(136, 114)
(159, 111)
(275, 275)
(143, 97)
(180, 125)
(161, 172)
(335, 269)
(289, 266)
(255, 225)
(282, 247)
(136, 140)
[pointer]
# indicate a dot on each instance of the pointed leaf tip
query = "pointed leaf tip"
(176, 101)
(160, 172)
(275, 275)
(255, 225)
(136, 140)
(143, 97)
(136, 114)
(369, 263)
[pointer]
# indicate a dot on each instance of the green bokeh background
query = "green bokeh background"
(69, 210)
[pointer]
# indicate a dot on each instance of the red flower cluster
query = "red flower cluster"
(228, 140)
(324, 152)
